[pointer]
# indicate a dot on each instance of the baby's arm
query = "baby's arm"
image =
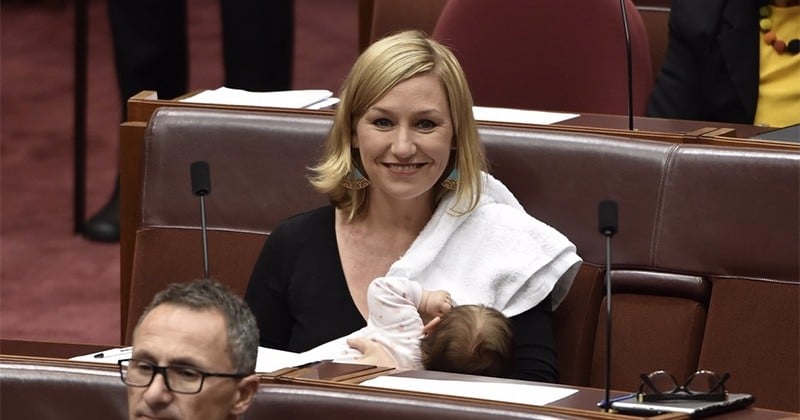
(393, 302)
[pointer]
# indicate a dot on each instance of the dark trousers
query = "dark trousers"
(151, 45)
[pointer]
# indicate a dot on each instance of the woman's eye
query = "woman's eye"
(426, 125)
(382, 123)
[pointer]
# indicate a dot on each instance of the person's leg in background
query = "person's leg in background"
(257, 44)
(150, 53)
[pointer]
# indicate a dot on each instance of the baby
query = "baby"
(473, 339)
(422, 329)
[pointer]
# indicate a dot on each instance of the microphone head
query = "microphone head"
(201, 178)
(607, 217)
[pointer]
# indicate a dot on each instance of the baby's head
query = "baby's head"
(472, 339)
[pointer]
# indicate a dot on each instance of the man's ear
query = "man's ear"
(245, 393)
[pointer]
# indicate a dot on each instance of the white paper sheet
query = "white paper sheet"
(270, 360)
(496, 391)
(106, 356)
(309, 98)
(321, 98)
(519, 116)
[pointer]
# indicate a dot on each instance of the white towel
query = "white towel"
(497, 255)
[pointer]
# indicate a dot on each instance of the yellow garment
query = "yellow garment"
(779, 78)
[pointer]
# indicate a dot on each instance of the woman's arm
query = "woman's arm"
(297, 290)
(266, 294)
(534, 351)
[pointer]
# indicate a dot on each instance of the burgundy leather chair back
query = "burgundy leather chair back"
(258, 166)
(549, 55)
(706, 267)
(60, 391)
(390, 16)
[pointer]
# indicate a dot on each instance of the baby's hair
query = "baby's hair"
(471, 339)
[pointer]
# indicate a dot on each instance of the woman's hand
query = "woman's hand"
(373, 353)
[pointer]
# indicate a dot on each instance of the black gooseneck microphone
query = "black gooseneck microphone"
(629, 61)
(607, 221)
(201, 187)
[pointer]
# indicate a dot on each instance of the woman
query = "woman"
(403, 168)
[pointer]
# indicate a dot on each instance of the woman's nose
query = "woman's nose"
(403, 145)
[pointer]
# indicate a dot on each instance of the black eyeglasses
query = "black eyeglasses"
(703, 385)
(177, 378)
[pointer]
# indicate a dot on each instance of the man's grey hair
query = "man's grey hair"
(204, 294)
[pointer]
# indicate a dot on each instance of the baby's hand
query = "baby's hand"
(438, 303)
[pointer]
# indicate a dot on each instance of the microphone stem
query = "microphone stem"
(608, 324)
(629, 62)
(205, 238)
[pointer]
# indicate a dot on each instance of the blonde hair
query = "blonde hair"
(381, 67)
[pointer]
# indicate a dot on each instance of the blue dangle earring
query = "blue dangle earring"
(451, 182)
(355, 180)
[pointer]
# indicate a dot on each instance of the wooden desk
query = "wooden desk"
(581, 404)
(668, 127)
(48, 348)
(586, 398)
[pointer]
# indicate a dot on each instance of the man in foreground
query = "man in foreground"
(194, 355)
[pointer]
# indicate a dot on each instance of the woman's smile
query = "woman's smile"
(404, 169)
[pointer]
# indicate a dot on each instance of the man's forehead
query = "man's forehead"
(178, 334)
(171, 312)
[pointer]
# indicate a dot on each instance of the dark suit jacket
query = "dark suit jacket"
(710, 71)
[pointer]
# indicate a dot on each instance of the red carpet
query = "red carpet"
(55, 285)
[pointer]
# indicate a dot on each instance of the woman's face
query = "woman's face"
(405, 139)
